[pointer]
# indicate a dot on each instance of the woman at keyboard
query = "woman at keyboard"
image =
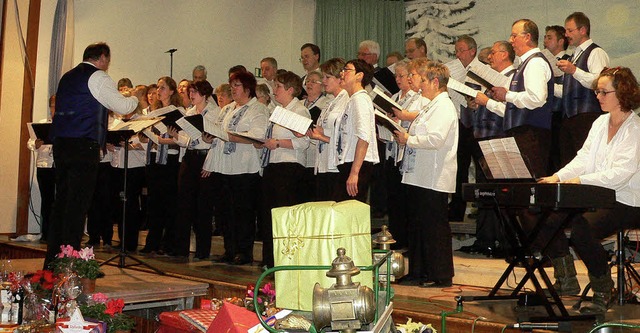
(609, 158)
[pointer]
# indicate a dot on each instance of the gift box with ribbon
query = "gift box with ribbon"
(233, 319)
(310, 234)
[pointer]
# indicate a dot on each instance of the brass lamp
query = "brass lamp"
(384, 240)
(346, 305)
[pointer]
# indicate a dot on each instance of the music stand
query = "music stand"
(115, 137)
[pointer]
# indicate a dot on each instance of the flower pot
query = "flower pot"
(88, 285)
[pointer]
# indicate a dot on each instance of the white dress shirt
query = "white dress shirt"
(328, 120)
(300, 145)
(536, 75)
(598, 60)
(495, 106)
(106, 92)
(210, 113)
(246, 158)
(434, 135)
(357, 122)
(612, 165)
(44, 154)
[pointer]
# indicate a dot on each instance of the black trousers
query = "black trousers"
(534, 144)
(430, 253)
(467, 146)
(196, 205)
(573, 133)
(340, 191)
(162, 182)
(129, 224)
(238, 208)
(76, 161)
(281, 187)
(101, 214)
(588, 230)
(325, 185)
(47, 184)
(396, 197)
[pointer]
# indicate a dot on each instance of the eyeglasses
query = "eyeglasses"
(513, 36)
(400, 76)
(347, 69)
(236, 85)
(314, 81)
(603, 92)
(460, 51)
(494, 52)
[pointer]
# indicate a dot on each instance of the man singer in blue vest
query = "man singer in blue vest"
(579, 104)
(84, 96)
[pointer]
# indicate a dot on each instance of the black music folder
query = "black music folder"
(315, 114)
(387, 79)
(196, 120)
(118, 136)
(171, 117)
(41, 132)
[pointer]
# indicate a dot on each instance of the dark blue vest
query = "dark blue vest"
(539, 117)
(78, 113)
(487, 124)
(576, 98)
(557, 101)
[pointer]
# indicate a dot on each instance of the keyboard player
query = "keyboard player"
(609, 158)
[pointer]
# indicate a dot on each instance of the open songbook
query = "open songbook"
(385, 78)
(492, 76)
(136, 125)
(246, 135)
(196, 124)
(291, 120)
(383, 102)
(461, 88)
(169, 113)
(40, 131)
(388, 123)
(502, 160)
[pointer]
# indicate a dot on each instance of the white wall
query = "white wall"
(217, 34)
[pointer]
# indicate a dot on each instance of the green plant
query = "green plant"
(108, 311)
(81, 262)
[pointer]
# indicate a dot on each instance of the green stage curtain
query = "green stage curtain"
(341, 25)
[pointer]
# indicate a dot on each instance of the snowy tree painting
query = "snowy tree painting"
(440, 23)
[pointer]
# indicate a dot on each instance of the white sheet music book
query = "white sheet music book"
(553, 61)
(504, 160)
(149, 133)
(461, 88)
(458, 73)
(248, 136)
(290, 120)
(492, 76)
(384, 134)
(136, 125)
(387, 122)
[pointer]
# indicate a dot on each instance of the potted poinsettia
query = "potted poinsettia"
(109, 311)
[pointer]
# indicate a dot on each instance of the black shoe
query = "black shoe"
(409, 281)
(223, 259)
(495, 252)
(241, 259)
(145, 250)
(436, 284)
(473, 249)
(199, 257)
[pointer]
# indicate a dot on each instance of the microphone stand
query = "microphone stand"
(171, 51)
(123, 254)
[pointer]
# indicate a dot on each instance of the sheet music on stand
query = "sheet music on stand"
(504, 160)
(136, 125)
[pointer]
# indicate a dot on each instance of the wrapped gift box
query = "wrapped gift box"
(172, 322)
(310, 234)
(233, 319)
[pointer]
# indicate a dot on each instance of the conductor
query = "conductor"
(84, 96)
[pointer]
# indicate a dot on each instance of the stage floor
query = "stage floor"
(474, 276)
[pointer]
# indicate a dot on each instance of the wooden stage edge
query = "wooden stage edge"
(419, 304)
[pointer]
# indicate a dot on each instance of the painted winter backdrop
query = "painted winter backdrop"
(440, 22)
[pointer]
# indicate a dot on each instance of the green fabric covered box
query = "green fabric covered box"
(310, 234)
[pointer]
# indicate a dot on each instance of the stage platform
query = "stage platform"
(474, 276)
